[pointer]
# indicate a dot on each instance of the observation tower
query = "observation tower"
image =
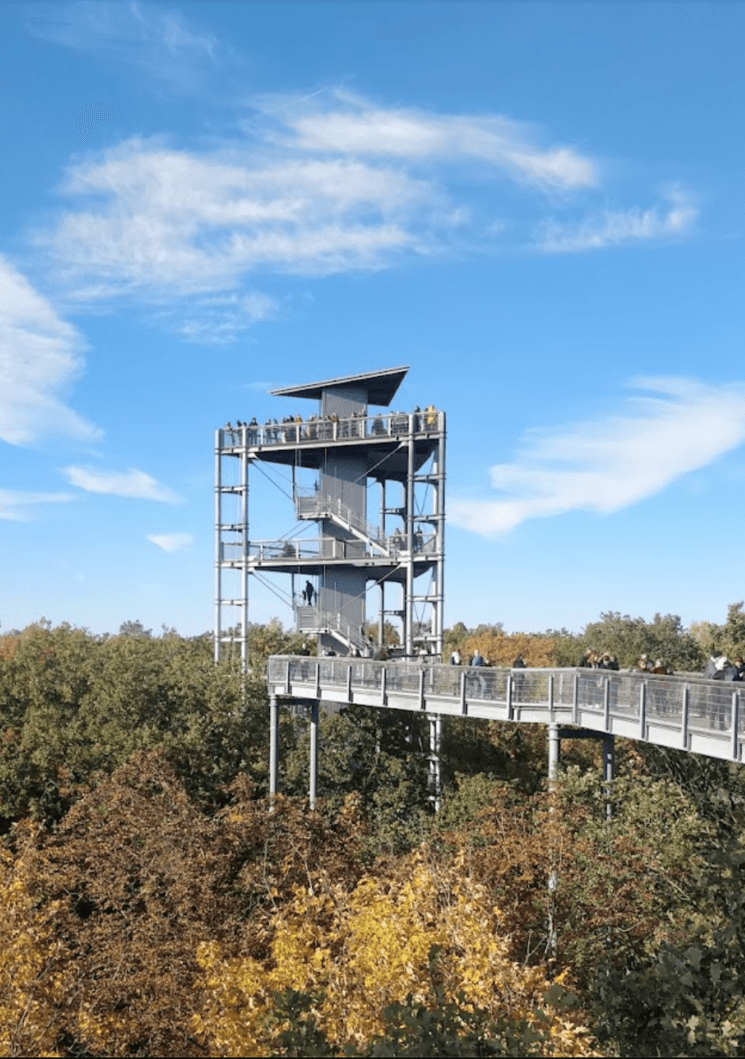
(373, 483)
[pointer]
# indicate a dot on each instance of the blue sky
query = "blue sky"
(538, 207)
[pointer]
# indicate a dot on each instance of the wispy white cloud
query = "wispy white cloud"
(616, 227)
(329, 183)
(354, 126)
(155, 40)
(607, 465)
(171, 542)
(132, 483)
(17, 505)
(41, 357)
(219, 319)
(173, 222)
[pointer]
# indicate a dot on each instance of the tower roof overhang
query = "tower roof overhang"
(381, 386)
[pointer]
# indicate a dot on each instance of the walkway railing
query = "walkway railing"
(685, 711)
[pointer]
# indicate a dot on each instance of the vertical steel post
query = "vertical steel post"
(408, 602)
(440, 512)
(554, 749)
(435, 735)
(218, 556)
(273, 742)
(244, 550)
(313, 784)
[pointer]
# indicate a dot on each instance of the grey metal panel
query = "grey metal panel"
(343, 592)
(343, 401)
(345, 478)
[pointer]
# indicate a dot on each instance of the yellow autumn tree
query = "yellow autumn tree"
(27, 981)
(356, 953)
(501, 649)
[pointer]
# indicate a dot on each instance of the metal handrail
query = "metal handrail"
(319, 506)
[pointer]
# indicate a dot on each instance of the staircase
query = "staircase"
(316, 620)
(331, 507)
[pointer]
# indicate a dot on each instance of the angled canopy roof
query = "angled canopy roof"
(381, 386)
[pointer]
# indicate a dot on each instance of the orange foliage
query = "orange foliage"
(501, 649)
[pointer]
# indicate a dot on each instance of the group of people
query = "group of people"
(295, 428)
(477, 659)
(644, 664)
(397, 541)
(719, 667)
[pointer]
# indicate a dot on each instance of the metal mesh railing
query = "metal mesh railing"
(703, 706)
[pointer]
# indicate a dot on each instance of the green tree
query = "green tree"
(627, 638)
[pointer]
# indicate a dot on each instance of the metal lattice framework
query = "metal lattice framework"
(350, 449)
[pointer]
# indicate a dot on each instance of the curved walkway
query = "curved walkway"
(684, 711)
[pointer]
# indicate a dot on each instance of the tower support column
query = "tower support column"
(273, 744)
(313, 779)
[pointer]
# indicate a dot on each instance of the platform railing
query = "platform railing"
(314, 430)
(312, 549)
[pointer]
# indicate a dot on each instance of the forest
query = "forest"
(154, 905)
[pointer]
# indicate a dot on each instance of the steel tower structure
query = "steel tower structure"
(349, 451)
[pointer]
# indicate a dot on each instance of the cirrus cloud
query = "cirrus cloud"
(171, 542)
(41, 357)
(607, 465)
(618, 227)
(134, 484)
(16, 505)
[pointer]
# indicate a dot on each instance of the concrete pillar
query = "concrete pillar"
(273, 740)
(313, 785)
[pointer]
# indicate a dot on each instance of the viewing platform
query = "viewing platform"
(382, 434)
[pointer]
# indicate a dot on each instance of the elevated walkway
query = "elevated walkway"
(682, 711)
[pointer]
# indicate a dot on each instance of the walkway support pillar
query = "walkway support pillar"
(273, 741)
(435, 779)
(554, 747)
(313, 785)
(609, 761)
